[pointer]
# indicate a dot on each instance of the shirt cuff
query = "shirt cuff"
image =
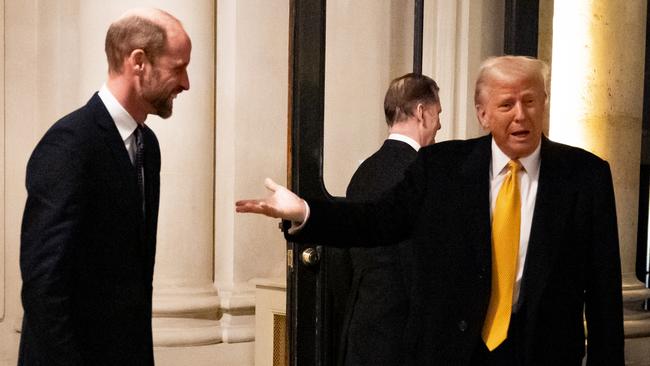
(296, 226)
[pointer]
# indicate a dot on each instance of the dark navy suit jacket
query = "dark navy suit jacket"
(87, 250)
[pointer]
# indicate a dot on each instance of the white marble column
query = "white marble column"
(185, 303)
(251, 144)
(597, 94)
(597, 103)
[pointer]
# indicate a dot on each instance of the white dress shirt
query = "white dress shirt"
(528, 181)
(399, 137)
(125, 124)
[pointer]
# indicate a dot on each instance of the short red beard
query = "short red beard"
(160, 100)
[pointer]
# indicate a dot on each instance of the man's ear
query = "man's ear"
(481, 115)
(419, 112)
(137, 60)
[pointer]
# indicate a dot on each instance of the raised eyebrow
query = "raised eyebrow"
(530, 93)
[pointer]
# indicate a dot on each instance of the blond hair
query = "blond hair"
(503, 66)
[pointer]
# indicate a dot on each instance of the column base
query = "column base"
(185, 301)
(185, 315)
(185, 332)
(222, 354)
(637, 322)
(237, 312)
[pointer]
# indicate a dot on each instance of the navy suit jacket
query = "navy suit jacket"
(87, 250)
(572, 264)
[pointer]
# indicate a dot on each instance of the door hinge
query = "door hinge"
(290, 259)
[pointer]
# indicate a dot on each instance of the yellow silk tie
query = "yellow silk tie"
(506, 221)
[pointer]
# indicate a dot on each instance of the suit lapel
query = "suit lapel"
(125, 177)
(125, 174)
(475, 177)
(553, 201)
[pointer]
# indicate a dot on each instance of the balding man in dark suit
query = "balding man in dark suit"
(89, 228)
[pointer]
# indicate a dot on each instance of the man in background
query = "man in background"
(89, 228)
(515, 235)
(377, 321)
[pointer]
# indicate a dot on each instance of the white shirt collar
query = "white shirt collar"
(530, 163)
(405, 139)
(123, 121)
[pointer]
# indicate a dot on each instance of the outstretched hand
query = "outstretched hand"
(282, 203)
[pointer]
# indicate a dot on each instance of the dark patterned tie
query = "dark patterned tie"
(139, 162)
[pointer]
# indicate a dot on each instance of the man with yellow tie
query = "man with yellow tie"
(515, 235)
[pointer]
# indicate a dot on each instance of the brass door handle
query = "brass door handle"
(310, 257)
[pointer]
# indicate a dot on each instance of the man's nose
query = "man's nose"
(520, 111)
(185, 81)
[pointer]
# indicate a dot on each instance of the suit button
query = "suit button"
(462, 325)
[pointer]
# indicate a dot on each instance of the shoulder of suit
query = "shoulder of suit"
(390, 152)
(76, 129)
(371, 163)
(575, 156)
(377, 173)
(455, 147)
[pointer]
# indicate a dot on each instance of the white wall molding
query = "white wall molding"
(458, 35)
(237, 312)
(185, 332)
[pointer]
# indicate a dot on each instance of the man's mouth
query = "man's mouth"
(520, 134)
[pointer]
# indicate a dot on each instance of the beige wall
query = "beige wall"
(361, 58)
(20, 126)
(5, 347)
(2, 165)
(251, 139)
